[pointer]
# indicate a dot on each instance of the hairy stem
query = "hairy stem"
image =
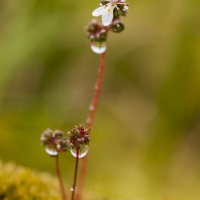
(90, 121)
(61, 185)
(75, 175)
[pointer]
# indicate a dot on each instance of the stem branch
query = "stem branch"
(62, 188)
(75, 175)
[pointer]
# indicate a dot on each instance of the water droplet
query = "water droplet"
(72, 188)
(91, 108)
(98, 47)
(88, 120)
(96, 87)
(82, 152)
(51, 151)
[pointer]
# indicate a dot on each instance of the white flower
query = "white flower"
(107, 11)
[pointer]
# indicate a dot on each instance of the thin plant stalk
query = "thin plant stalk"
(97, 88)
(61, 185)
(90, 122)
(75, 175)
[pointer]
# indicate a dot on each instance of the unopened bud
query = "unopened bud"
(117, 26)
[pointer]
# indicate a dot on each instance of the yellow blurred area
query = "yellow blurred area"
(146, 136)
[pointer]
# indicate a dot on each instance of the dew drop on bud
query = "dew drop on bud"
(98, 47)
(51, 151)
(82, 152)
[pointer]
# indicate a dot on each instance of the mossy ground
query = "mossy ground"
(19, 183)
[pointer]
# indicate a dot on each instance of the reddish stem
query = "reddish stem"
(97, 88)
(90, 121)
(75, 175)
(62, 188)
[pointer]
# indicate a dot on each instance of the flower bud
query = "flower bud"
(117, 26)
(96, 32)
(79, 140)
(54, 142)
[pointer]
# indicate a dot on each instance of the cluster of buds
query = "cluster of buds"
(54, 141)
(96, 32)
(111, 11)
(79, 136)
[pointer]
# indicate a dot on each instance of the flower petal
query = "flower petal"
(98, 11)
(107, 18)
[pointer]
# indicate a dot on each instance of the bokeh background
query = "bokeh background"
(146, 136)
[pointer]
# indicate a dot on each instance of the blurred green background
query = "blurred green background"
(146, 136)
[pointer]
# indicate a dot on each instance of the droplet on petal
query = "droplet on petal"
(51, 151)
(81, 153)
(98, 47)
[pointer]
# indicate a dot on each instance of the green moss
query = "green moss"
(18, 183)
